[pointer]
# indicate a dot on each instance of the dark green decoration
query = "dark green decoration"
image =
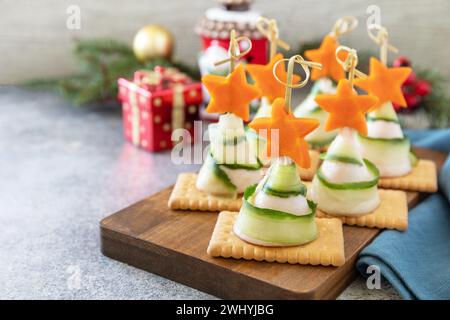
(101, 63)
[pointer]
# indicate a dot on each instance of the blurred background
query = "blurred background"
(36, 43)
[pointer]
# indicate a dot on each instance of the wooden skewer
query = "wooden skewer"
(381, 39)
(350, 63)
(234, 50)
(268, 27)
(290, 73)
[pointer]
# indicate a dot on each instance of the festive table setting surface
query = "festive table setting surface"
(99, 164)
(68, 249)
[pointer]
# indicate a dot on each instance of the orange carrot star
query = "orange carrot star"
(385, 83)
(346, 108)
(326, 56)
(291, 132)
(231, 93)
(266, 82)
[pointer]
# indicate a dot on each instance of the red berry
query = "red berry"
(401, 61)
(412, 100)
(412, 78)
(423, 88)
(396, 106)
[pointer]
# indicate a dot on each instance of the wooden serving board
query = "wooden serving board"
(173, 244)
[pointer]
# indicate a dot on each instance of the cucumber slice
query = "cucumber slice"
(316, 109)
(214, 180)
(284, 194)
(382, 142)
(284, 179)
(274, 214)
(317, 144)
(319, 137)
(231, 136)
(221, 175)
(391, 156)
(233, 141)
(235, 166)
(257, 145)
(371, 118)
(350, 198)
(228, 141)
(352, 185)
(340, 158)
(385, 112)
(236, 155)
(413, 158)
(272, 226)
(347, 202)
(345, 146)
(252, 139)
(250, 132)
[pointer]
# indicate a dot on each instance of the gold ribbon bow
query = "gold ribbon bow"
(269, 29)
(152, 77)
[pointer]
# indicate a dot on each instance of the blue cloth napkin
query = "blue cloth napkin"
(417, 262)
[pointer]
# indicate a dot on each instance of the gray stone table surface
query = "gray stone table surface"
(62, 170)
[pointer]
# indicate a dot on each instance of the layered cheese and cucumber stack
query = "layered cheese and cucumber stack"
(258, 142)
(276, 212)
(385, 144)
(346, 183)
(231, 165)
(319, 138)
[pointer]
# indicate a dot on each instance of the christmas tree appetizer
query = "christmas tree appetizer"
(265, 81)
(346, 183)
(272, 89)
(325, 79)
(276, 213)
(230, 166)
(385, 144)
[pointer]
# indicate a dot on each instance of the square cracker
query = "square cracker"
(422, 178)
(391, 214)
(326, 250)
(308, 174)
(185, 196)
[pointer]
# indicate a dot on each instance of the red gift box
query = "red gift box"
(157, 102)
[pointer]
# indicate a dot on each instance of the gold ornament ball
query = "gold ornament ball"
(153, 41)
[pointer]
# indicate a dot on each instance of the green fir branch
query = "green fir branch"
(101, 63)
(437, 103)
